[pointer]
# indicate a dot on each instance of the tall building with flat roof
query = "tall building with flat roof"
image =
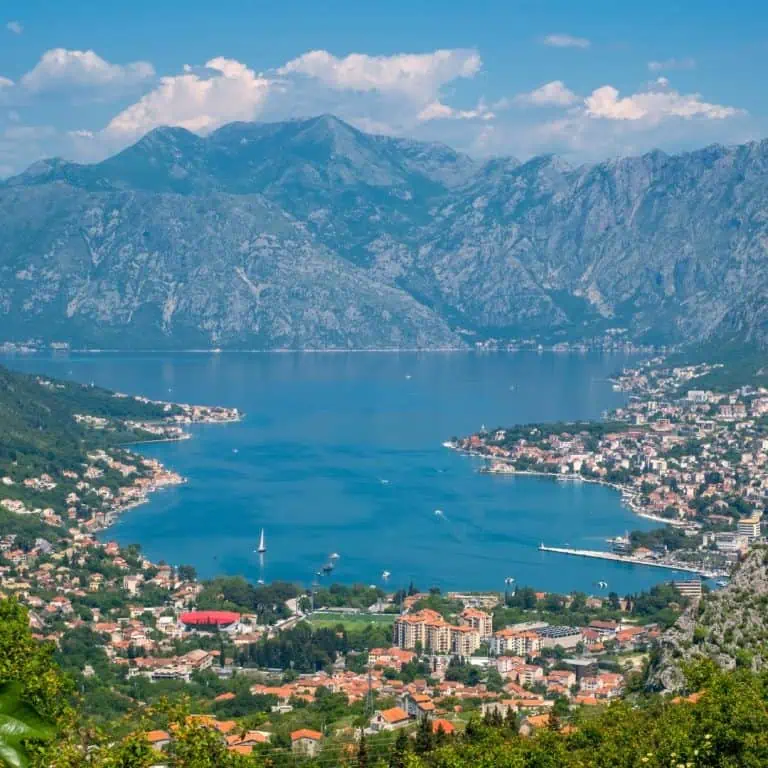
(749, 527)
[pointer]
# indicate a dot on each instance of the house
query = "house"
(563, 677)
(390, 657)
(158, 740)
(198, 659)
(530, 723)
(530, 674)
(306, 742)
(132, 582)
(417, 704)
(389, 719)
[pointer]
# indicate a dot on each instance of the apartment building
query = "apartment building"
(478, 620)
(430, 631)
(512, 642)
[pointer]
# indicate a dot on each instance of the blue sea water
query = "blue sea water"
(342, 453)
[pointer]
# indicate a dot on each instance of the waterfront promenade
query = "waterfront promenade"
(707, 574)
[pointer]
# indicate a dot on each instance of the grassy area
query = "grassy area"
(321, 619)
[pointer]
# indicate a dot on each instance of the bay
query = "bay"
(342, 453)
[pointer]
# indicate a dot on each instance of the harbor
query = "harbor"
(598, 555)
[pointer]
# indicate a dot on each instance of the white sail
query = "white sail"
(262, 545)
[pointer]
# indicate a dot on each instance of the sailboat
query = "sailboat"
(262, 545)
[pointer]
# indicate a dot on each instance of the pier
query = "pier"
(627, 559)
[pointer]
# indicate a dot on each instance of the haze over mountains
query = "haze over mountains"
(311, 234)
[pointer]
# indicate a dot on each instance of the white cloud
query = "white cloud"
(554, 94)
(15, 26)
(566, 41)
(670, 64)
(60, 69)
(81, 133)
(653, 105)
(436, 110)
(5, 82)
(224, 91)
(416, 75)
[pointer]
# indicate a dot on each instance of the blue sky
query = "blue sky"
(588, 80)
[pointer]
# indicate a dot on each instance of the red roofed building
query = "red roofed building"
(206, 620)
(306, 742)
(389, 719)
(443, 725)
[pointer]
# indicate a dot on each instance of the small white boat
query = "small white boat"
(262, 548)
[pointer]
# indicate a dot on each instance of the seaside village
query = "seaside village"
(693, 459)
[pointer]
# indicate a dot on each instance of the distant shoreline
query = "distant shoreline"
(331, 351)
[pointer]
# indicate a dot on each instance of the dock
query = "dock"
(598, 555)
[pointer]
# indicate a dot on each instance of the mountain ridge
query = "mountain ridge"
(313, 234)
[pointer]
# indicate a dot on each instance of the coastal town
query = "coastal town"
(694, 460)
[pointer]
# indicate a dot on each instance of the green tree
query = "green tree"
(187, 572)
(398, 757)
(424, 736)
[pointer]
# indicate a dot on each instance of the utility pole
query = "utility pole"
(369, 696)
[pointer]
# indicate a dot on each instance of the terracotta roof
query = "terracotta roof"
(446, 726)
(306, 733)
(228, 696)
(154, 736)
(538, 721)
(394, 715)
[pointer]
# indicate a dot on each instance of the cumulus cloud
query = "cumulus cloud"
(5, 82)
(554, 94)
(416, 75)
(15, 26)
(61, 69)
(652, 105)
(566, 41)
(669, 64)
(224, 91)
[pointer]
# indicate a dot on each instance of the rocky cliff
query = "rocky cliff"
(729, 626)
(312, 234)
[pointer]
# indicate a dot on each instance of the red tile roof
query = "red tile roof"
(306, 733)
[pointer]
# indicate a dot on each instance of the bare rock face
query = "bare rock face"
(312, 234)
(729, 626)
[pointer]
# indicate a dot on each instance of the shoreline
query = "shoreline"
(174, 478)
(627, 496)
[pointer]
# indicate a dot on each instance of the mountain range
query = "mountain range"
(311, 234)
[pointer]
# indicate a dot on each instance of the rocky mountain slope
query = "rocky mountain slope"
(729, 626)
(312, 234)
